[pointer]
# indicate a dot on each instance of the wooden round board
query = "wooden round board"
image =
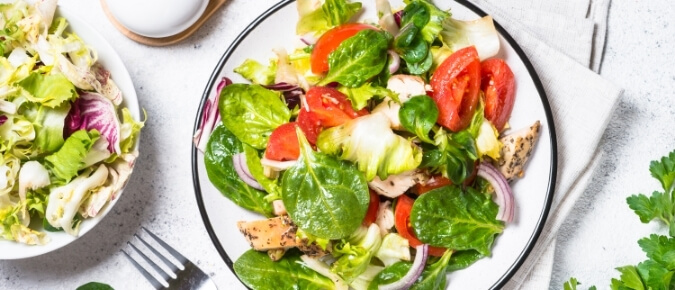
(211, 8)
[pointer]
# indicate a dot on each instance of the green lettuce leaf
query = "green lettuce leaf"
(256, 72)
(65, 163)
(360, 96)
(332, 13)
(49, 90)
(129, 130)
(370, 142)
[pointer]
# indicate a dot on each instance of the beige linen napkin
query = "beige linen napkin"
(562, 39)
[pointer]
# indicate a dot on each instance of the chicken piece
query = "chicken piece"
(273, 233)
(516, 150)
(396, 185)
(406, 87)
(276, 235)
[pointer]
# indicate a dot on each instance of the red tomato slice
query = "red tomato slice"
(436, 182)
(310, 125)
(371, 214)
(331, 106)
(498, 84)
(283, 143)
(402, 223)
(329, 41)
(455, 85)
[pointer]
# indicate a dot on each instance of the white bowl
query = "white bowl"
(157, 18)
(10, 250)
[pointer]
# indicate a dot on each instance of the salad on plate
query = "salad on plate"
(64, 152)
(379, 152)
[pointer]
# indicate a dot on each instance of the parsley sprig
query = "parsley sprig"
(658, 271)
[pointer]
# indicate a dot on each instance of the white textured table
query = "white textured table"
(601, 234)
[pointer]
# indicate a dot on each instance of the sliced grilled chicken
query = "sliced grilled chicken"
(276, 235)
(516, 150)
(396, 185)
(273, 233)
(406, 87)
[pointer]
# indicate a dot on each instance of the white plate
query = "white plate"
(111, 61)
(534, 193)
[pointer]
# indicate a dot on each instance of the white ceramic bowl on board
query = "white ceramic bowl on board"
(157, 18)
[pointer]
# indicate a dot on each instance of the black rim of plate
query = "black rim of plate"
(535, 77)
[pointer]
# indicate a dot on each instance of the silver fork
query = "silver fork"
(189, 277)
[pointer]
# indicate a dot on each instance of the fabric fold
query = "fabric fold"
(568, 40)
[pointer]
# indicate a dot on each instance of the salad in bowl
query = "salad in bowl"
(68, 141)
(378, 153)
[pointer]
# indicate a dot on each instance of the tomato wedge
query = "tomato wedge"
(498, 84)
(310, 125)
(456, 84)
(283, 143)
(402, 223)
(329, 41)
(330, 106)
(373, 206)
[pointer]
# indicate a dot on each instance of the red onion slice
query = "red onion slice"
(239, 161)
(503, 194)
(210, 117)
(415, 270)
(395, 61)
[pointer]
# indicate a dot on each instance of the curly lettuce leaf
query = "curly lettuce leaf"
(370, 142)
(331, 13)
(256, 72)
(48, 90)
(129, 130)
(360, 96)
(65, 163)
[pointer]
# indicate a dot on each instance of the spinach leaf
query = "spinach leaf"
(418, 115)
(390, 274)
(221, 147)
(258, 271)
(452, 218)
(462, 259)
(252, 112)
(324, 196)
(255, 167)
(421, 67)
(433, 277)
(452, 155)
(358, 59)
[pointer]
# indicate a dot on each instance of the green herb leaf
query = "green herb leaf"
(629, 278)
(664, 171)
(258, 271)
(252, 112)
(95, 286)
(357, 59)
(324, 196)
(654, 275)
(660, 249)
(418, 115)
(451, 218)
(221, 147)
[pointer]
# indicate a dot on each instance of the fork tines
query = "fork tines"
(166, 276)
